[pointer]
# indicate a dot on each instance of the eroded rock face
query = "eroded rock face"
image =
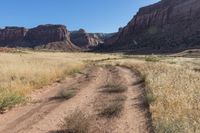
(44, 34)
(11, 35)
(164, 26)
(85, 40)
(54, 37)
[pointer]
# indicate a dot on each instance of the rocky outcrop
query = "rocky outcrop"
(11, 35)
(54, 37)
(85, 40)
(44, 34)
(165, 26)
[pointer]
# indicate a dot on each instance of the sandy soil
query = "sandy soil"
(46, 114)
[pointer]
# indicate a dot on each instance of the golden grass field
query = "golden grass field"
(25, 71)
(173, 91)
(172, 83)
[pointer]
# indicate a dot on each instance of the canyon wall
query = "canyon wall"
(168, 25)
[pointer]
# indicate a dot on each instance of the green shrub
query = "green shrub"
(9, 100)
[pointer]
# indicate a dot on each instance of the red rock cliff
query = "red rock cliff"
(166, 25)
(47, 34)
(44, 36)
(85, 40)
(12, 34)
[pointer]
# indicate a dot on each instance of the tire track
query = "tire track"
(39, 112)
(47, 116)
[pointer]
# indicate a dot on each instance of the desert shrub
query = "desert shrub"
(9, 99)
(77, 122)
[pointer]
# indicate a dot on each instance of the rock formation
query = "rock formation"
(10, 36)
(168, 25)
(85, 40)
(44, 36)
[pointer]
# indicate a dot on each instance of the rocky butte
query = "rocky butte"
(48, 36)
(11, 36)
(85, 40)
(169, 25)
(54, 37)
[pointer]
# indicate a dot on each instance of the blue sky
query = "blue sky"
(92, 15)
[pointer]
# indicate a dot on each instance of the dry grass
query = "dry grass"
(120, 98)
(67, 94)
(23, 72)
(173, 92)
(114, 88)
(77, 122)
(152, 59)
(113, 109)
(173, 84)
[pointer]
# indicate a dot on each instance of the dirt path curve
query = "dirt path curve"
(47, 114)
(133, 119)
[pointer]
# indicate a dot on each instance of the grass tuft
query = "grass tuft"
(77, 122)
(9, 100)
(114, 88)
(152, 59)
(149, 97)
(196, 69)
(112, 110)
(169, 127)
(120, 98)
(67, 94)
(140, 80)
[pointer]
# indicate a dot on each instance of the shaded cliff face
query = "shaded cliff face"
(164, 26)
(85, 40)
(54, 37)
(11, 35)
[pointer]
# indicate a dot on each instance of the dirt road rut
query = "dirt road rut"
(47, 114)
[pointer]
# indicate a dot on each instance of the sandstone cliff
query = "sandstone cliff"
(47, 33)
(10, 36)
(85, 40)
(49, 36)
(168, 25)
(54, 37)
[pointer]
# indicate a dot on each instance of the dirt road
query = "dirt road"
(47, 114)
